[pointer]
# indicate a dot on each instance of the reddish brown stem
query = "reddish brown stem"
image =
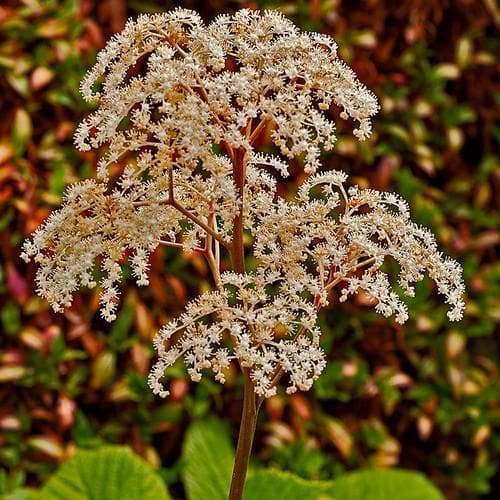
(237, 247)
(245, 438)
(250, 404)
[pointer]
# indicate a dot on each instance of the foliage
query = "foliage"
(111, 472)
(115, 472)
(422, 397)
(208, 458)
(372, 484)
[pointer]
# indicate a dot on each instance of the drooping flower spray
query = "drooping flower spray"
(187, 128)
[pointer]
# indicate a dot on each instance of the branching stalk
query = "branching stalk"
(250, 401)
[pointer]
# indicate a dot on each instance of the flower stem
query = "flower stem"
(245, 439)
(237, 249)
(250, 404)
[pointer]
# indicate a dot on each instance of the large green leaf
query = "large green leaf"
(370, 484)
(377, 484)
(208, 458)
(110, 473)
(279, 485)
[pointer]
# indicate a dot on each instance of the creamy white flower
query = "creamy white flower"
(181, 107)
(264, 331)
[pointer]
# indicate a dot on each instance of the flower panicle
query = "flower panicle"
(179, 104)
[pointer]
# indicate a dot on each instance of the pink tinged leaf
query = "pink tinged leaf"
(50, 333)
(12, 356)
(140, 357)
(401, 380)
(6, 152)
(40, 78)
(274, 407)
(349, 369)
(340, 437)
(178, 389)
(17, 285)
(52, 28)
(11, 373)
(32, 338)
(144, 321)
(65, 410)
(10, 423)
(424, 427)
(48, 445)
(482, 435)
(301, 406)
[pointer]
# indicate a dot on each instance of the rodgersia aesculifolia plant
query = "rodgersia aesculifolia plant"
(187, 126)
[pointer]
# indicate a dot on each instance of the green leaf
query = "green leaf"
(279, 485)
(120, 330)
(103, 369)
(10, 317)
(208, 456)
(376, 484)
(110, 472)
(457, 115)
(22, 494)
(22, 129)
(57, 179)
(362, 485)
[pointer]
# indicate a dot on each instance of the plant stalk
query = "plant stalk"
(245, 438)
(237, 246)
(250, 404)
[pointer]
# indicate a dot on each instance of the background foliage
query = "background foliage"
(423, 396)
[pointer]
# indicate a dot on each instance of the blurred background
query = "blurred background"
(422, 396)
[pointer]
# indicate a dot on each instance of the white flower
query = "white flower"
(269, 333)
(182, 139)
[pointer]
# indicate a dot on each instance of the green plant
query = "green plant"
(191, 122)
(113, 472)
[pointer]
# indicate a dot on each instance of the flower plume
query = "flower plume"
(181, 107)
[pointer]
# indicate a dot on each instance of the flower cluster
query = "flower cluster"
(267, 331)
(181, 107)
(305, 249)
(344, 237)
(206, 85)
(95, 224)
